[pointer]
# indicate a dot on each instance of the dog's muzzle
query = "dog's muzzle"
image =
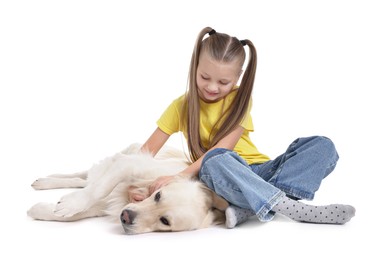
(127, 217)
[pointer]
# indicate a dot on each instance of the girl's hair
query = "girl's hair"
(223, 48)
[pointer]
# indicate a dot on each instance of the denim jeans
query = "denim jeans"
(296, 173)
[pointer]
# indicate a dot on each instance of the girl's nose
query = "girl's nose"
(212, 87)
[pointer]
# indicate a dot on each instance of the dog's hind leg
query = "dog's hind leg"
(81, 175)
(58, 181)
(45, 211)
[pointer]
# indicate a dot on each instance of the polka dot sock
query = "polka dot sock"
(329, 214)
(235, 216)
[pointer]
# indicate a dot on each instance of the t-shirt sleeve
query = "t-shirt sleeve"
(169, 121)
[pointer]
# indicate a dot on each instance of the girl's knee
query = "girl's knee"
(213, 153)
(317, 146)
(327, 149)
(324, 150)
(326, 145)
(210, 164)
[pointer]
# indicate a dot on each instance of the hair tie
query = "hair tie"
(212, 32)
(243, 42)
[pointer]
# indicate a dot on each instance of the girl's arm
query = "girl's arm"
(155, 142)
(228, 142)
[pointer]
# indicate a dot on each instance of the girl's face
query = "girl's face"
(216, 79)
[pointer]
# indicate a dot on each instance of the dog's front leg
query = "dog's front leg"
(82, 200)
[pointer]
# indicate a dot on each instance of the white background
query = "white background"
(81, 80)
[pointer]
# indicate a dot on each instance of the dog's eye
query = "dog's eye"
(164, 221)
(157, 196)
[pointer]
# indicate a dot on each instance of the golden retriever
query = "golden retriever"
(110, 187)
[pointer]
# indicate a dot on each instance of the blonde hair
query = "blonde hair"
(223, 48)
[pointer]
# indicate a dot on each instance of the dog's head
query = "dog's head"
(181, 205)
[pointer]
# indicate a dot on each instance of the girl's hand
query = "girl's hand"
(165, 180)
(160, 182)
(136, 194)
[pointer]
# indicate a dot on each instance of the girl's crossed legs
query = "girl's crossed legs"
(263, 189)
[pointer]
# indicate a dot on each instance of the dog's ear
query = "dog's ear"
(218, 216)
(219, 205)
(216, 201)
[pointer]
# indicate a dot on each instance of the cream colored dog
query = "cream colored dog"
(110, 187)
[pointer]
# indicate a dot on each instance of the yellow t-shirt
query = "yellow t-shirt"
(210, 113)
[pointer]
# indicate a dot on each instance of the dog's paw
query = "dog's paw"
(71, 204)
(42, 211)
(42, 184)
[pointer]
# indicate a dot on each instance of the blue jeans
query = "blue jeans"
(259, 187)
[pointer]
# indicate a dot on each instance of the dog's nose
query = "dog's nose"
(127, 216)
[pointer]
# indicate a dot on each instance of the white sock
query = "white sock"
(235, 216)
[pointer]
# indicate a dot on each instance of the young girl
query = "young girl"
(214, 116)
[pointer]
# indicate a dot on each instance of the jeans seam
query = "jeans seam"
(269, 205)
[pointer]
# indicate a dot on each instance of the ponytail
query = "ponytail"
(220, 47)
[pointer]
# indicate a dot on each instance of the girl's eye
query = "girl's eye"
(224, 83)
(204, 78)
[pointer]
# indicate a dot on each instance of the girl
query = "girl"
(214, 116)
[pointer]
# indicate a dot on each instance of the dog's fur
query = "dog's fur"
(110, 187)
